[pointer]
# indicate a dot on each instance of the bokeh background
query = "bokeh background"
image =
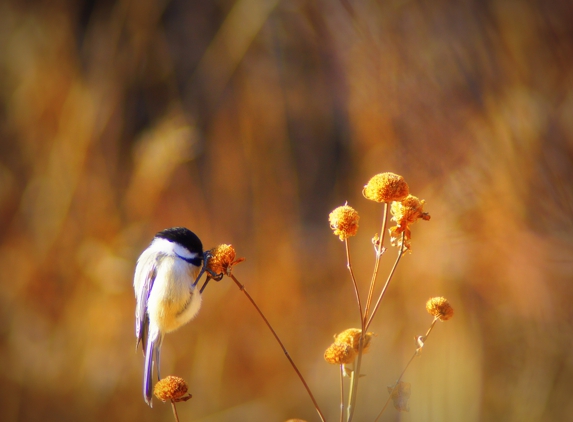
(248, 121)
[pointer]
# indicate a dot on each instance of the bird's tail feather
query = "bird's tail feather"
(148, 371)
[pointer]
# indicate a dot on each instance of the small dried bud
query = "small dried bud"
(351, 337)
(222, 259)
(440, 308)
(400, 395)
(171, 388)
(386, 187)
(340, 354)
(344, 221)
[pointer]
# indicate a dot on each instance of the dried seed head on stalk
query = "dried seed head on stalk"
(171, 388)
(340, 354)
(439, 307)
(408, 211)
(400, 395)
(386, 187)
(222, 259)
(404, 213)
(351, 337)
(344, 221)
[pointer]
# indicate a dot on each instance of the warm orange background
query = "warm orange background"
(248, 122)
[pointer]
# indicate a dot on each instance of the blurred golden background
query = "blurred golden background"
(248, 121)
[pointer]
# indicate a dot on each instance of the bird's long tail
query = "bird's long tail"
(148, 371)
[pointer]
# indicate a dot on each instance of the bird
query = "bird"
(167, 297)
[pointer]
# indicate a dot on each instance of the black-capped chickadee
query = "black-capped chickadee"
(165, 289)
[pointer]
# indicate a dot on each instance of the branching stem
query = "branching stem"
(379, 251)
(400, 253)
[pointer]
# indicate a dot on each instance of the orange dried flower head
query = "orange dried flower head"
(171, 388)
(339, 354)
(404, 213)
(386, 187)
(344, 221)
(408, 211)
(440, 308)
(351, 337)
(222, 259)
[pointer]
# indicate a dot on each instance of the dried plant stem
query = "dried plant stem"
(174, 411)
(431, 328)
(400, 253)
(349, 266)
(342, 393)
(354, 379)
(379, 252)
(242, 288)
(416, 353)
(355, 376)
(353, 389)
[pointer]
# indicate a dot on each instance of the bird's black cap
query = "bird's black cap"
(184, 237)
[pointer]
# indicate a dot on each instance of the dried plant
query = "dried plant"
(350, 345)
(394, 193)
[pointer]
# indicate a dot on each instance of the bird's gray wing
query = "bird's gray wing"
(145, 274)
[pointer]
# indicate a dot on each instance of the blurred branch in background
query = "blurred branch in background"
(248, 121)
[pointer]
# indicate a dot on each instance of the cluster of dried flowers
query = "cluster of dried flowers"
(392, 190)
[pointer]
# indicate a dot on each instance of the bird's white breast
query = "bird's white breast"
(173, 301)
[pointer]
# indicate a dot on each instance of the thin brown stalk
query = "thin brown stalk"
(354, 284)
(400, 253)
(242, 288)
(341, 392)
(354, 380)
(379, 252)
(355, 377)
(431, 328)
(174, 411)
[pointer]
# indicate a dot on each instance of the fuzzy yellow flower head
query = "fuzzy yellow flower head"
(340, 354)
(351, 337)
(344, 221)
(386, 187)
(171, 388)
(222, 259)
(408, 211)
(440, 308)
